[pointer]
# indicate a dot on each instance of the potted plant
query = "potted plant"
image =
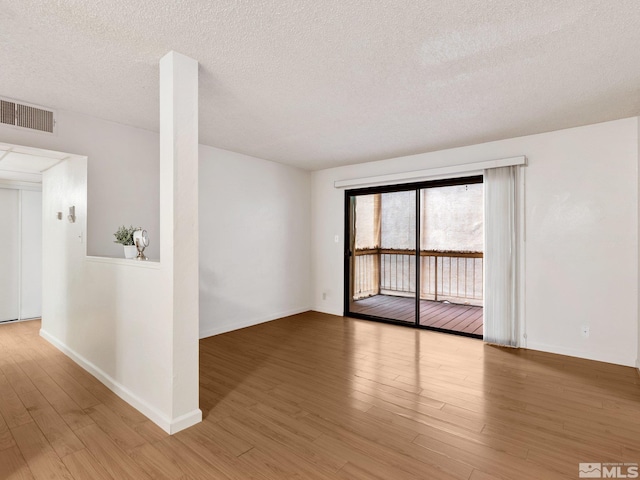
(124, 236)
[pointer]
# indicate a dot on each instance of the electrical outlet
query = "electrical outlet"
(324, 295)
(585, 331)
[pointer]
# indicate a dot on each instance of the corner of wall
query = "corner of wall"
(638, 239)
(259, 269)
(232, 325)
(184, 421)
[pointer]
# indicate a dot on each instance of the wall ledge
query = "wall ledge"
(127, 262)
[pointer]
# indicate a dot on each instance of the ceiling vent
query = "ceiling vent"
(26, 116)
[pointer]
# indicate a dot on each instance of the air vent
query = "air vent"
(26, 116)
(7, 112)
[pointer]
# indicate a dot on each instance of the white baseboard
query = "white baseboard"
(18, 320)
(230, 327)
(169, 425)
(328, 310)
(185, 421)
(618, 359)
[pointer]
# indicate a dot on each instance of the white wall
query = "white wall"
(581, 234)
(254, 241)
(123, 175)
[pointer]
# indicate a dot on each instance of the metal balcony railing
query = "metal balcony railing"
(451, 276)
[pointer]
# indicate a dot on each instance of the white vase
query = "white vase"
(130, 251)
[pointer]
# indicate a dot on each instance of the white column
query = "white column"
(179, 226)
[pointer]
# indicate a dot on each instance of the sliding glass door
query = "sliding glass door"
(414, 254)
(381, 255)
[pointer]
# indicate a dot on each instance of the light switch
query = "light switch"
(336, 239)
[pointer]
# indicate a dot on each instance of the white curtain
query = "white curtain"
(501, 256)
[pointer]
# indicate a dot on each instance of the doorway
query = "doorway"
(20, 254)
(414, 255)
(21, 240)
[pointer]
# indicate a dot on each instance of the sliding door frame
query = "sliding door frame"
(349, 208)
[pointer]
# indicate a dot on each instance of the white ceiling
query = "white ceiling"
(24, 164)
(319, 83)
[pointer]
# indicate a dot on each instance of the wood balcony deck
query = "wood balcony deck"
(447, 316)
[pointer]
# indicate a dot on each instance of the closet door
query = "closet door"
(31, 253)
(9, 254)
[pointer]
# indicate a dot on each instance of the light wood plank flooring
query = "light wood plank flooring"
(315, 396)
(447, 316)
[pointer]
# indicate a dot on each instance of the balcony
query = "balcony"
(450, 295)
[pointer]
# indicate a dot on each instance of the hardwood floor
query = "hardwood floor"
(315, 396)
(447, 316)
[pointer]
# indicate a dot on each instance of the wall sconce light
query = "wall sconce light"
(72, 215)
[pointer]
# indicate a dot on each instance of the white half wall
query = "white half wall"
(255, 239)
(132, 324)
(96, 310)
(123, 175)
(581, 221)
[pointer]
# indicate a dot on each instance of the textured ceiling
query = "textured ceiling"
(319, 83)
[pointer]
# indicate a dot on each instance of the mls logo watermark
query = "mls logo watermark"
(608, 470)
